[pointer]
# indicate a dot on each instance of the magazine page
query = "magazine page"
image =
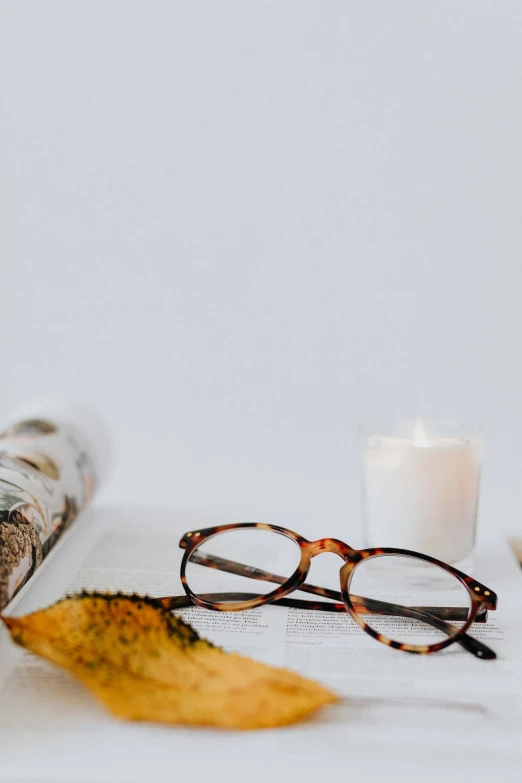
(438, 690)
(317, 644)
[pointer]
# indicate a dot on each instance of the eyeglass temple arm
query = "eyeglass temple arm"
(183, 601)
(173, 602)
(430, 615)
(363, 605)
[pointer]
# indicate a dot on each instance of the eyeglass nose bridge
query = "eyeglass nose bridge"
(331, 545)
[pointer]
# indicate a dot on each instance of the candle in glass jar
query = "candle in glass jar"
(421, 492)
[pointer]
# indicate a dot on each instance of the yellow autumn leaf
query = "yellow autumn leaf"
(146, 664)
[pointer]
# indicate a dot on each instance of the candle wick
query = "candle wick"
(420, 436)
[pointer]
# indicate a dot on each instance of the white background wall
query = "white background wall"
(240, 228)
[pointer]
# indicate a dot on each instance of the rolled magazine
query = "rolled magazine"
(50, 468)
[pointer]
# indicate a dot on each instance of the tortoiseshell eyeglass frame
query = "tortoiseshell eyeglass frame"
(482, 598)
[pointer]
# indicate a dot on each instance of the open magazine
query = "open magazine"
(138, 552)
(407, 701)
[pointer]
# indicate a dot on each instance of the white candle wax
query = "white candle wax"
(421, 493)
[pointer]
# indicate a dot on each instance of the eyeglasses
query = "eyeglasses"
(383, 590)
